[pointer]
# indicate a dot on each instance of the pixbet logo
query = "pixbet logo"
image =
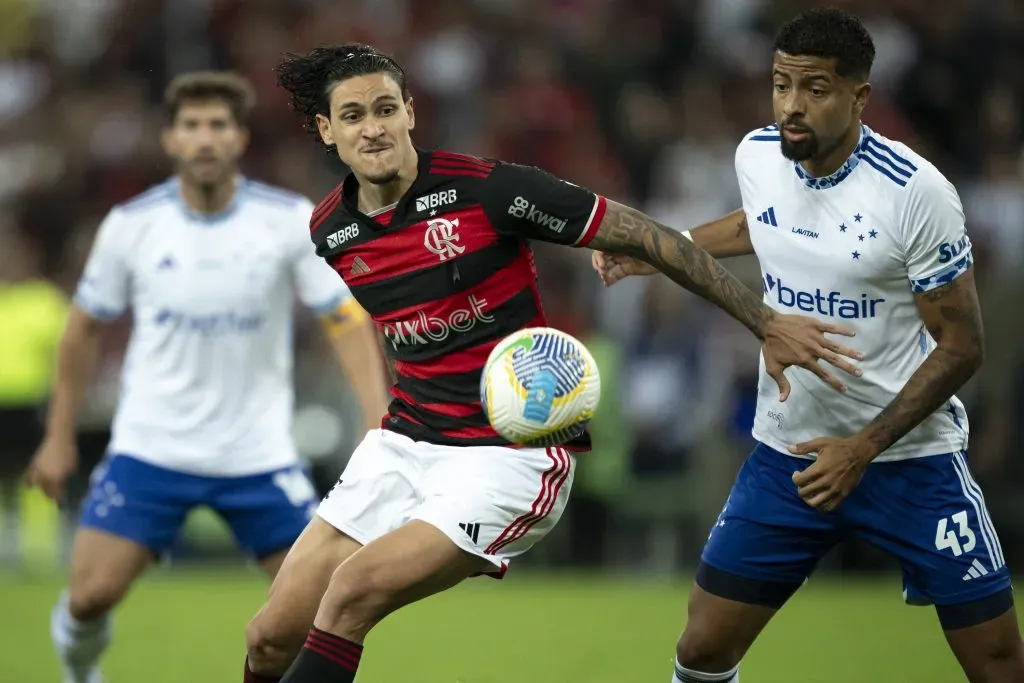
(440, 238)
(521, 208)
(424, 329)
(833, 304)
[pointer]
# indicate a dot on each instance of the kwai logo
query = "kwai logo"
(424, 330)
(522, 208)
(831, 303)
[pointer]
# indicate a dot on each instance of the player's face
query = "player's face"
(814, 106)
(370, 126)
(205, 142)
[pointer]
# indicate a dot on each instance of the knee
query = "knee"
(699, 649)
(270, 648)
(356, 600)
(92, 595)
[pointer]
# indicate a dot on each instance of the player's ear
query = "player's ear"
(411, 113)
(167, 140)
(861, 94)
(323, 126)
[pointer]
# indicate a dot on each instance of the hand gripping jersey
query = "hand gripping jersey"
(853, 248)
(447, 273)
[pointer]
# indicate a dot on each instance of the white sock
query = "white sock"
(684, 675)
(79, 644)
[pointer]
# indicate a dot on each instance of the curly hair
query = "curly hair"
(309, 77)
(831, 34)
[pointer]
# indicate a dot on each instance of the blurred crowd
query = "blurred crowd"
(641, 100)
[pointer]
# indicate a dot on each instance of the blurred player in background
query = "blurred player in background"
(851, 226)
(33, 311)
(209, 264)
(434, 246)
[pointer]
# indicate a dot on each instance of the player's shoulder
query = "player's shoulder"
(152, 200)
(272, 197)
(759, 145)
(894, 164)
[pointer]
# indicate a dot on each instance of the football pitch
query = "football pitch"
(188, 626)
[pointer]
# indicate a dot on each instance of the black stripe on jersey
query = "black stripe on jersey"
(430, 284)
(418, 432)
(508, 317)
(440, 422)
(463, 387)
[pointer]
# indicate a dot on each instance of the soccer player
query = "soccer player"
(208, 264)
(434, 246)
(851, 226)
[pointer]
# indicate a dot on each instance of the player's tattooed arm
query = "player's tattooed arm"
(952, 315)
(628, 231)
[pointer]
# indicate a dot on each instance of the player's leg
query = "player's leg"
(275, 635)
(482, 506)
(930, 513)
(132, 513)
(266, 512)
(764, 545)
(373, 496)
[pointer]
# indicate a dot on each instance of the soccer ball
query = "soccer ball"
(540, 387)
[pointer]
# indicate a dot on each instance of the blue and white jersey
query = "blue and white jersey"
(207, 381)
(853, 248)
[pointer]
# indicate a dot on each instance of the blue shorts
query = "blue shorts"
(148, 504)
(927, 512)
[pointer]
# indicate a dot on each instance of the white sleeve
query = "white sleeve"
(104, 289)
(318, 286)
(936, 245)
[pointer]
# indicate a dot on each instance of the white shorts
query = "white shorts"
(491, 501)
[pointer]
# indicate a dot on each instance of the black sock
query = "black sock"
(251, 677)
(325, 658)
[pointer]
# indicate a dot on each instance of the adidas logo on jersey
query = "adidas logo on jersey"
(768, 217)
(359, 266)
(976, 571)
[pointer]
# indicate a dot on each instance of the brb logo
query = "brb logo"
(440, 238)
(833, 304)
(521, 208)
(424, 330)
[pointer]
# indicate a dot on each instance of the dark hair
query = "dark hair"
(310, 76)
(195, 86)
(831, 34)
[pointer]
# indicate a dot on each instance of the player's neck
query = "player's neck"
(208, 199)
(374, 197)
(830, 163)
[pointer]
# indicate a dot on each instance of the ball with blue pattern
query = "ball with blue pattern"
(540, 387)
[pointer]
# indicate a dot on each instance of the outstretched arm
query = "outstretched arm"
(631, 232)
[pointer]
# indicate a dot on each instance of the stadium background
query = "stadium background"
(642, 100)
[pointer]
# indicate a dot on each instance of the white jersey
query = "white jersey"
(207, 380)
(853, 248)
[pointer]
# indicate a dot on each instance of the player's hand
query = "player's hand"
(837, 471)
(614, 267)
(53, 463)
(801, 341)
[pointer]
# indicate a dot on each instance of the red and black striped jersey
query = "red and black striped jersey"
(447, 274)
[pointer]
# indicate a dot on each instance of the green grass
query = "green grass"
(179, 626)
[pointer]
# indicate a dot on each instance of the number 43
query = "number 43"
(948, 538)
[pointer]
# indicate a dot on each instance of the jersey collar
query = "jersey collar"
(825, 182)
(350, 195)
